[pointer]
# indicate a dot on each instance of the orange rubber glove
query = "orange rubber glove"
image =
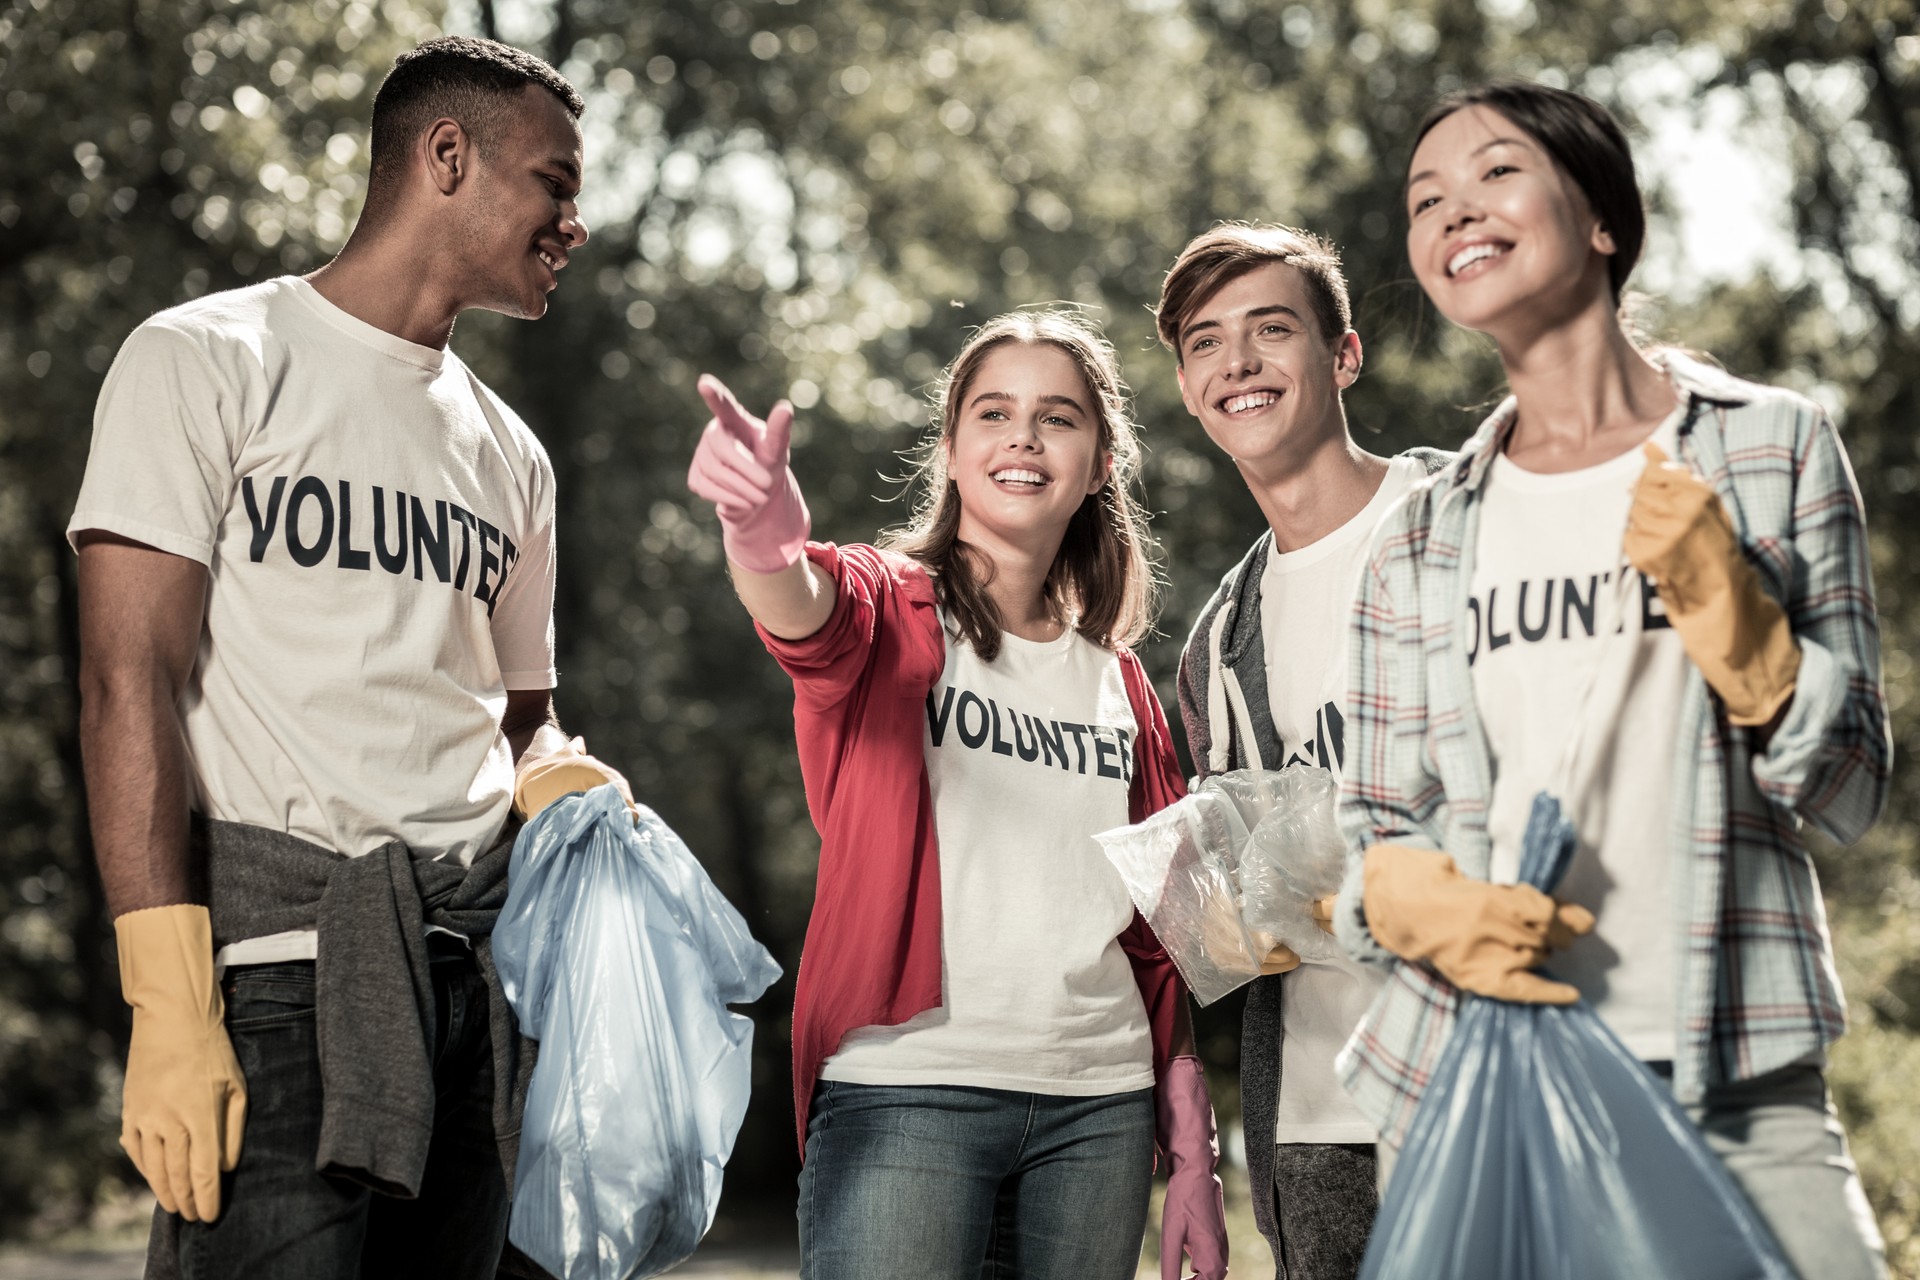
(1679, 535)
(544, 779)
(1482, 937)
(184, 1105)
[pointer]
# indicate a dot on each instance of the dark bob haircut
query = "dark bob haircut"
(1584, 139)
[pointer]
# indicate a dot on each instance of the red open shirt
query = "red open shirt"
(860, 685)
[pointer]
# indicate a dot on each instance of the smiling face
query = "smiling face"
(1026, 449)
(520, 223)
(1257, 372)
(1499, 236)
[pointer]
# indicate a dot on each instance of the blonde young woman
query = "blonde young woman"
(987, 1038)
(1669, 565)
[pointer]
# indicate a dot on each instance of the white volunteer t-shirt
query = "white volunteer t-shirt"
(1306, 600)
(1544, 585)
(378, 531)
(1028, 757)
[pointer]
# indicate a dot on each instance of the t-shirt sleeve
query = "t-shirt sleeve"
(161, 467)
(523, 610)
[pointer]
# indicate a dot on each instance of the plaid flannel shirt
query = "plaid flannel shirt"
(1756, 985)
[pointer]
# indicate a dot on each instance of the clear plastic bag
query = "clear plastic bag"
(1184, 869)
(1543, 1150)
(619, 956)
(1293, 857)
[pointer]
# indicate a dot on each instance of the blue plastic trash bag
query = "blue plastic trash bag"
(620, 957)
(1543, 1150)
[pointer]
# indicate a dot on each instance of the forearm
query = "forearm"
(138, 795)
(792, 604)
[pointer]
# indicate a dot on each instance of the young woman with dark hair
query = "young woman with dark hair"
(1643, 586)
(986, 1035)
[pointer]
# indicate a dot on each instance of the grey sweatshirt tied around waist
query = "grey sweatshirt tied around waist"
(373, 998)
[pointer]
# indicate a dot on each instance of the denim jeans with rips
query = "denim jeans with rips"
(939, 1182)
(282, 1218)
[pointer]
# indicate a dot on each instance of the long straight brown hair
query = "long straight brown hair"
(1103, 580)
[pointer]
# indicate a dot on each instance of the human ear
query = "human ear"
(449, 151)
(1103, 467)
(1603, 240)
(1348, 355)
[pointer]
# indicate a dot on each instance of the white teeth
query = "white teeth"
(1016, 476)
(552, 263)
(1471, 254)
(1252, 400)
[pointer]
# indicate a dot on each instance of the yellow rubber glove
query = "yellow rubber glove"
(184, 1106)
(1482, 937)
(541, 781)
(1679, 535)
(1282, 959)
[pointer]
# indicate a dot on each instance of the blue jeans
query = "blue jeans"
(938, 1182)
(281, 1218)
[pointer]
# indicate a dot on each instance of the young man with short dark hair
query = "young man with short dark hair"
(316, 596)
(1259, 322)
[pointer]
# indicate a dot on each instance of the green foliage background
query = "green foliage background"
(816, 198)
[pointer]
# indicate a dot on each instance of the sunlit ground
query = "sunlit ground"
(735, 1251)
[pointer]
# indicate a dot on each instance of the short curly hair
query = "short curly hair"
(465, 78)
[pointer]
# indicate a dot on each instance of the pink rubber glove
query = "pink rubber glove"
(741, 468)
(1194, 1220)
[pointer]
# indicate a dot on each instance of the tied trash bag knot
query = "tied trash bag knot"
(620, 957)
(1542, 1149)
(1232, 868)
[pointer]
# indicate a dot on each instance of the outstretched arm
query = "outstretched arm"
(741, 467)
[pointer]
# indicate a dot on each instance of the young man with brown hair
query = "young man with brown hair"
(316, 597)
(1259, 322)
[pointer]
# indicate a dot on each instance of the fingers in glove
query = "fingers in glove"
(1570, 922)
(720, 455)
(776, 440)
(174, 1159)
(1523, 987)
(1173, 1244)
(728, 411)
(233, 1127)
(1282, 959)
(203, 1172)
(134, 1144)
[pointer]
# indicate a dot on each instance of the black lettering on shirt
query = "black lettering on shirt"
(1052, 743)
(308, 505)
(1001, 747)
(430, 548)
(262, 526)
(968, 698)
(308, 555)
(983, 723)
(349, 558)
(394, 561)
(1028, 749)
(937, 717)
(1578, 612)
